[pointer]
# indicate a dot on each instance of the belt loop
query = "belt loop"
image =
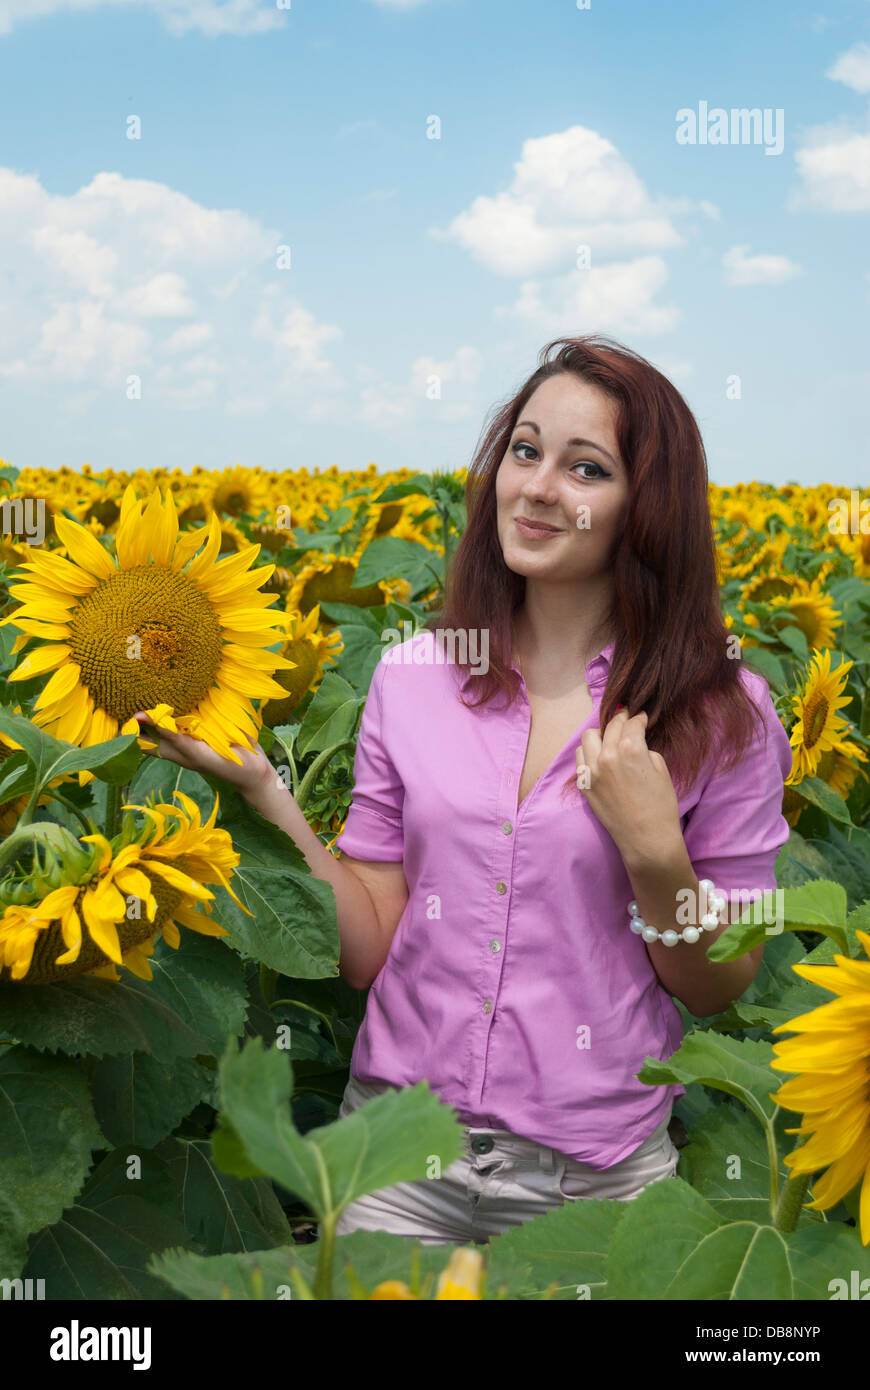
(546, 1159)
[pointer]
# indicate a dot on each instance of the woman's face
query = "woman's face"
(578, 489)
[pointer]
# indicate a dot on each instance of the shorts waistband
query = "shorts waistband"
(515, 1144)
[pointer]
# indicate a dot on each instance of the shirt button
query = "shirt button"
(501, 887)
(495, 946)
(507, 827)
(487, 1006)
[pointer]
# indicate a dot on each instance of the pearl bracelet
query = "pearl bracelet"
(709, 922)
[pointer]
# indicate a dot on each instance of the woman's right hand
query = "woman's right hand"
(197, 756)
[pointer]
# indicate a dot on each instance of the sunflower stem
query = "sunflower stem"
(773, 1164)
(788, 1207)
(113, 809)
(74, 810)
(268, 980)
(325, 1254)
(27, 816)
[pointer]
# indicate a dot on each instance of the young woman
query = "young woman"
(522, 835)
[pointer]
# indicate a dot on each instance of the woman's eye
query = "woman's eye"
(585, 463)
(522, 446)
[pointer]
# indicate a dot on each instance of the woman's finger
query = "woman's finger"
(590, 744)
(613, 729)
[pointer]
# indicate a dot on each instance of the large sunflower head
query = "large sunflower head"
(832, 1056)
(818, 727)
(161, 626)
(96, 904)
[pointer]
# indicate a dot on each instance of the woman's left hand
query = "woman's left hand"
(628, 786)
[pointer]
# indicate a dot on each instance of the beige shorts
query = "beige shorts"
(499, 1182)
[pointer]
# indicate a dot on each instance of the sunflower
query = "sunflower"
(83, 925)
(159, 628)
(762, 553)
(833, 1088)
(819, 728)
(238, 490)
(809, 608)
(460, 1279)
(329, 581)
(308, 651)
(767, 585)
(857, 545)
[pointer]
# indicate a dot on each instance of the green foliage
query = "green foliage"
(167, 1138)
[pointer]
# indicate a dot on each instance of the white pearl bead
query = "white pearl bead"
(632, 909)
(690, 934)
(670, 937)
(637, 925)
(706, 884)
(718, 903)
(650, 934)
(709, 921)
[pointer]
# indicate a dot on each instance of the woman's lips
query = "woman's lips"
(532, 532)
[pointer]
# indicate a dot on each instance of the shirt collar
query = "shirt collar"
(596, 672)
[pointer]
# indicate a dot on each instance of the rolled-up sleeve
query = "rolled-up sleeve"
(736, 829)
(373, 827)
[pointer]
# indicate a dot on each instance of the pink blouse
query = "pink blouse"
(513, 984)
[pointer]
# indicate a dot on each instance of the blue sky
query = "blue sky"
(146, 319)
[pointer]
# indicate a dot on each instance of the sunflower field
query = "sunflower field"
(174, 1033)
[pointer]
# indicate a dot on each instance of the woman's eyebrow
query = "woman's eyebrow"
(589, 443)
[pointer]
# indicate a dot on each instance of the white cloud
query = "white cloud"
(297, 337)
(193, 335)
(210, 17)
(853, 68)
(129, 277)
(616, 298)
(164, 296)
(834, 166)
(445, 387)
(569, 189)
(834, 160)
(744, 269)
(578, 223)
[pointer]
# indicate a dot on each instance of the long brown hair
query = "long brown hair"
(670, 655)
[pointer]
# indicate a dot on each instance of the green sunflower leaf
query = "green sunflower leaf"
(393, 1138)
(139, 1099)
(331, 716)
(100, 1247)
(222, 1213)
(196, 998)
(562, 1253)
(114, 761)
(374, 1256)
(690, 1252)
(821, 794)
(294, 928)
(740, 1068)
(47, 1133)
(395, 557)
(819, 904)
